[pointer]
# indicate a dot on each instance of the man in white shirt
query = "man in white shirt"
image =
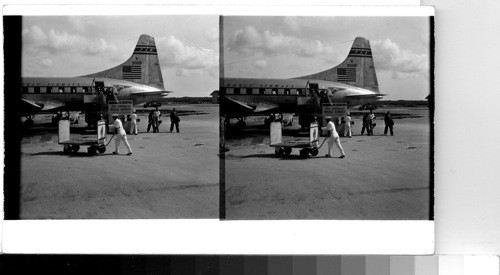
(347, 128)
(120, 135)
(133, 122)
(156, 121)
(333, 137)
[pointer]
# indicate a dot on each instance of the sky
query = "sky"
(67, 46)
(287, 47)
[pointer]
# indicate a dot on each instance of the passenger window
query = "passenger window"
(262, 91)
(236, 91)
(37, 90)
(248, 91)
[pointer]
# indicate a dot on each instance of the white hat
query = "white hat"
(113, 115)
(328, 117)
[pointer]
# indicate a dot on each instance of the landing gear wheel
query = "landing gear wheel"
(66, 149)
(101, 149)
(240, 124)
(314, 152)
(92, 150)
(304, 153)
(29, 122)
(279, 151)
(75, 148)
(287, 151)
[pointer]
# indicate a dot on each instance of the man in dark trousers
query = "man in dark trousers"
(366, 123)
(174, 120)
(150, 120)
(388, 123)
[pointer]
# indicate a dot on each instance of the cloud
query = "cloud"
(249, 41)
(37, 41)
(47, 63)
(399, 62)
(259, 64)
(187, 59)
(213, 35)
(99, 46)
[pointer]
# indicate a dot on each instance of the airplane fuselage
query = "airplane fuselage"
(288, 94)
(75, 91)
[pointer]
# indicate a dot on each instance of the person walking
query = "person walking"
(133, 123)
(120, 135)
(347, 127)
(389, 123)
(174, 120)
(333, 137)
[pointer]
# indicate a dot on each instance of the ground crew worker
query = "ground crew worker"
(388, 123)
(133, 123)
(120, 135)
(347, 128)
(333, 137)
(174, 120)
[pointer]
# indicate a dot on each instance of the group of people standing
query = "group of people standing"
(369, 123)
(154, 121)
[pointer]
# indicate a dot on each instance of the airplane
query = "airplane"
(354, 82)
(138, 79)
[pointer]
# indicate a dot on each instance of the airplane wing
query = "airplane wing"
(42, 106)
(365, 96)
(235, 106)
(145, 93)
(31, 104)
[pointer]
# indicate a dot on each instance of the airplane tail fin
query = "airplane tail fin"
(142, 67)
(357, 69)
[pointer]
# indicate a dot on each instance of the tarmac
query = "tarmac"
(381, 178)
(169, 175)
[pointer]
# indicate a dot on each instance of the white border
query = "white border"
(213, 236)
(241, 10)
(219, 237)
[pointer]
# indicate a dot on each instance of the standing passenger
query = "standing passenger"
(388, 123)
(333, 137)
(150, 120)
(174, 120)
(371, 124)
(365, 125)
(156, 120)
